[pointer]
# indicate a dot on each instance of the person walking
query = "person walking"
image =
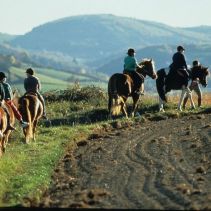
(195, 84)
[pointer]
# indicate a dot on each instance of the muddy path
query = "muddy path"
(148, 164)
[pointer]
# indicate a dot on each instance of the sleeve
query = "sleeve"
(38, 84)
(10, 91)
(25, 84)
(184, 61)
(2, 92)
(136, 63)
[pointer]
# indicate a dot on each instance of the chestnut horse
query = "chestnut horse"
(121, 86)
(4, 132)
(31, 110)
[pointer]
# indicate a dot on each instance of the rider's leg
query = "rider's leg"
(17, 114)
(9, 126)
(43, 103)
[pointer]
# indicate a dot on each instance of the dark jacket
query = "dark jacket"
(32, 84)
(179, 61)
(2, 94)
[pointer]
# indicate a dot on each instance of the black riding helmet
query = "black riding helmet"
(130, 50)
(179, 48)
(30, 71)
(2, 75)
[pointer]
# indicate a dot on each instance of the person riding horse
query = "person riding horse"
(32, 85)
(130, 65)
(179, 62)
(8, 95)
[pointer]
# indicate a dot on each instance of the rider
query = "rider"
(179, 62)
(130, 65)
(32, 84)
(8, 99)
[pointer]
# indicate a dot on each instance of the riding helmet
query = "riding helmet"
(179, 48)
(130, 50)
(196, 63)
(30, 71)
(2, 75)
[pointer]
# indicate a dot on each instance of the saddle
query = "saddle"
(30, 93)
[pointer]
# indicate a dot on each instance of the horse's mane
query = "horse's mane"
(143, 61)
(202, 68)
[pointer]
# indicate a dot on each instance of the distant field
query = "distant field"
(51, 79)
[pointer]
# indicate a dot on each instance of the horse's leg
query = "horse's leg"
(161, 105)
(135, 104)
(185, 91)
(124, 109)
(109, 106)
(34, 129)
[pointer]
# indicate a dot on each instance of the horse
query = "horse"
(165, 83)
(199, 76)
(31, 110)
(4, 132)
(121, 86)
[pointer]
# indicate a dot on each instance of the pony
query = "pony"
(199, 76)
(4, 132)
(31, 110)
(165, 83)
(121, 86)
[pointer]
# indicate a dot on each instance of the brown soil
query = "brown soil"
(154, 163)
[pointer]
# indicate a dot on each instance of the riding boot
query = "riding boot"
(43, 104)
(9, 126)
(199, 102)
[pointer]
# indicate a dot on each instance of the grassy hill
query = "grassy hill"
(90, 38)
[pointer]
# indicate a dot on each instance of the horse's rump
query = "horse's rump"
(30, 107)
(160, 83)
(120, 84)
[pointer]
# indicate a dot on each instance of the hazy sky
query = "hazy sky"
(20, 16)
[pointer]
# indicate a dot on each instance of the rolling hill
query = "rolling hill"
(93, 46)
(93, 38)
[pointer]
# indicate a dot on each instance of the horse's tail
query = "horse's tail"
(27, 117)
(114, 105)
(160, 84)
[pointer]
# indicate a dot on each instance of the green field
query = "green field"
(51, 79)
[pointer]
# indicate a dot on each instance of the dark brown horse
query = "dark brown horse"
(31, 110)
(4, 132)
(121, 86)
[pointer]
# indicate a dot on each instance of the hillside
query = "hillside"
(90, 38)
(95, 45)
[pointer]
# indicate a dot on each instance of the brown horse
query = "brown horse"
(121, 86)
(31, 110)
(4, 132)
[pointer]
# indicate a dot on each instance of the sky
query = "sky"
(21, 16)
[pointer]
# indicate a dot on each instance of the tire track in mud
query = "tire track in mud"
(150, 165)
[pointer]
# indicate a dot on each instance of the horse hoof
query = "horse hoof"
(161, 110)
(137, 114)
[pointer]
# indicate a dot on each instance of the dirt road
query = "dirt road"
(155, 163)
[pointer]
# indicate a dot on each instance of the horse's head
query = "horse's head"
(202, 74)
(147, 68)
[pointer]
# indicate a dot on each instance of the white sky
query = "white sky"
(20, 16)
